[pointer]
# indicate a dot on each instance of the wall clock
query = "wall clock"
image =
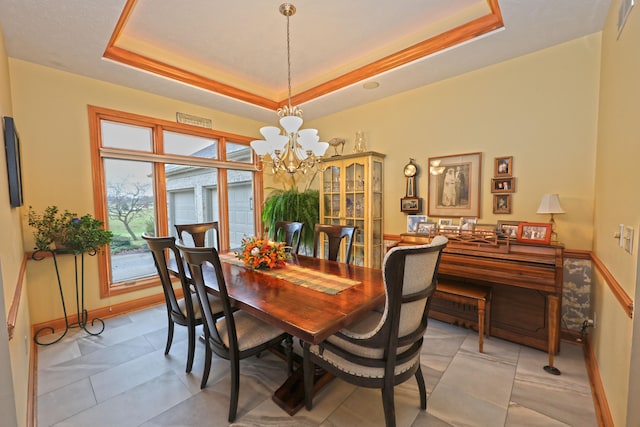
(410, 203)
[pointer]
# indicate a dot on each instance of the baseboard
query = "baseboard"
(106, 312)
(603, 413)
(32, 386)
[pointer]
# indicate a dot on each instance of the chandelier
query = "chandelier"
(297, 150)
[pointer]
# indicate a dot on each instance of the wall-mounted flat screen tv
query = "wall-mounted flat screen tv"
(14, 171)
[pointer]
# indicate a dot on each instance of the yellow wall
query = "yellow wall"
(540, 108)
(617, 201)
(51, 110)
(14, 369)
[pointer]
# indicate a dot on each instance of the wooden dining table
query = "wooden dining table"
(311, 313)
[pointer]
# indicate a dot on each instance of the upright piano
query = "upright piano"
(525, 281)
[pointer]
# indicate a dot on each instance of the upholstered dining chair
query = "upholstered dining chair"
(198, 232)
(235, 336)
(183, 311)
(334, 234)
(292, 233)
(383, 348)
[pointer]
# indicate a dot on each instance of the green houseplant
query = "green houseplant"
(67, 231)
(293, 205)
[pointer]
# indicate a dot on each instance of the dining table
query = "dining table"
(309, 298)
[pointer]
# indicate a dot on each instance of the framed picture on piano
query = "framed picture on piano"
(534, 232)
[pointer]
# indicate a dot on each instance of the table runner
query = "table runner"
(312, 279)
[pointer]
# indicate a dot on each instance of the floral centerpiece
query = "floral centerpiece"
(263, 253)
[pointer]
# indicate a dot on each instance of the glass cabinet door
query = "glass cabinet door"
(351, 194)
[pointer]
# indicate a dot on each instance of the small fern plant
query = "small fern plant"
(293, 205)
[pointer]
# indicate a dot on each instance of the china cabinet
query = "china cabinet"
(351, 194)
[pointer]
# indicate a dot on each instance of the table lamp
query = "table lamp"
(550, 204)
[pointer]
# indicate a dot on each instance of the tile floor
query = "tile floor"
(122, 378)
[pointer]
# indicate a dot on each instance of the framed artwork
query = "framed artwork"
(508, 228)
(445, 221)
(454, 185)
(534, 232)
(468, 224)
(14, 170)
(410, 204)
(426, 228)
(413, 221)
(503, 185)
(502, 203)
(503, 166)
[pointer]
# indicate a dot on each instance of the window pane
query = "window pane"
(239, 153)
(241, 206)
(190, 194)
(130, 137)
(190, 145)
(130, 207)
(192, 197)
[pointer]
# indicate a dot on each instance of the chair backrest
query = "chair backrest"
(410, 276)
(198, 232)
(292, 232)
(335, 234)
(196, 258)
(161, 249)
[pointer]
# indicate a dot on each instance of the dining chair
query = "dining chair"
(198, 232)
(383, 349)
(184, 311)
(334, 234)
(292, 233)
(235, 336)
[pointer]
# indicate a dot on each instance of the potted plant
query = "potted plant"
(293, 205)
(67, 231)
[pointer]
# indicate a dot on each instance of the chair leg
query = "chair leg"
(387, 403)
(207, 363)
(169, 336)
(307, 373)
(192, 346)
(235, 388)
(422, 388)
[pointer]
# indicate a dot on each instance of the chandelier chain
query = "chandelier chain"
(288, 60)
(297, 150)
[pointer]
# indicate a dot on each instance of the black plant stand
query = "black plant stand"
(81, 312)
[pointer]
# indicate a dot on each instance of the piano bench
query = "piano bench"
(467, 293)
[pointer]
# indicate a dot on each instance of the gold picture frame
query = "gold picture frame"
(503, 185)
(454, 185)
(503, 166)
(502, 203)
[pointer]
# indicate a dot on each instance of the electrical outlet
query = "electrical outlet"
(628, 239)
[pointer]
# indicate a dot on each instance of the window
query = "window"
(151, 174)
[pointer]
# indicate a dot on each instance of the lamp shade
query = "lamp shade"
(291, 124)
(550, 204)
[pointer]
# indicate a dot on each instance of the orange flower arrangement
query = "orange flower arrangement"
(262, 253)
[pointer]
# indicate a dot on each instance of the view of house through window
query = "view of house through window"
(154, 178)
